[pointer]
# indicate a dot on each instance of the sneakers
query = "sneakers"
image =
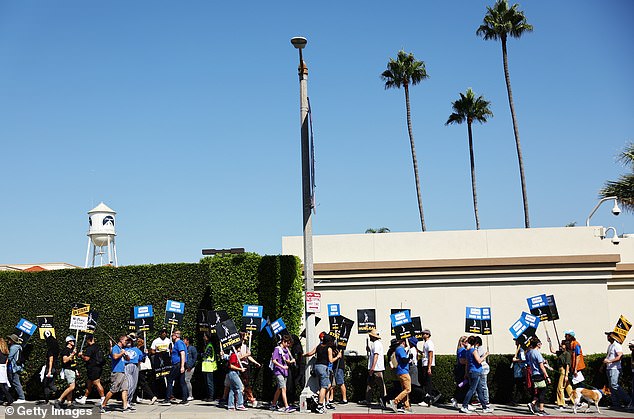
(330, 406)
(531, 408)
(128, 409)
(435, 398)
(102, 410)
(19, 401)
(391, 405)
(543, 413)
(320, 410)
(131, 407)
(363, 402)
(454, 403)
(423, 404)
(488, 409)
(184, 402)
(290, 409)
(343, 402)
(400, 410)
(241, 408)
(463, 410)
(190, 398)
(561, 408)
(273, 407)
(165, 403)
(154, 399)
(139, 399)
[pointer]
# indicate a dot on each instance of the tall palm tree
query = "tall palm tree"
(501, 22)
(623, 188)
(403, 71)
(469, 108)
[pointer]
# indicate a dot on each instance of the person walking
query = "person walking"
(376, 367)
(192, 358)
(209, 366)
(519, 376)
(235, 385)
(118, 381)
(324, 355)
(282, 360)
(474, 368)
(483, 353)
(177, 373)
(15, 367)
(94, 361)
(577, 363)
(427, 364)
(134, 356)
(68, 356)
(460, 373)
(144, 390)
(160, 357)
(564, 360)
(4, 376)
(48, 379)
(539, 377)
(402, 372)
(612, 364)
(244, 354)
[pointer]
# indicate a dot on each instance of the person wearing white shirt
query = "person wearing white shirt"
(612, 363)
(376, 366)
(428, 362)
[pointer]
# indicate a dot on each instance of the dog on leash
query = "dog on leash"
(589, 395)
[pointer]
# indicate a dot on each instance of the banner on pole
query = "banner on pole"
(228, 335)
(174, 312)
(394, 311)
(24, 330)
(79, 316)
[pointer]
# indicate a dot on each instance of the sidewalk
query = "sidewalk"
(202, 410)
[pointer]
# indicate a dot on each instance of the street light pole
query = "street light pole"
(307, 199)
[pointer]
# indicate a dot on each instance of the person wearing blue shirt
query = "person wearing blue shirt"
(539, 376)
(118, 381)
(402, 371)
(474, 371)
(14, 367)
(135, 356)
(177, 373)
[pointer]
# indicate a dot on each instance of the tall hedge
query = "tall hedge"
(220, 282)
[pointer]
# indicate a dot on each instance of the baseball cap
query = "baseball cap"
(413, 341)
(70, 338)
(570, 332)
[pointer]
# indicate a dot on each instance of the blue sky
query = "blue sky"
(184, 118)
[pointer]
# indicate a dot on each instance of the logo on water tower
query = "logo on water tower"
(108, 220)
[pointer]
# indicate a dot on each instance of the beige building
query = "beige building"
(438, 274)
(36, 267)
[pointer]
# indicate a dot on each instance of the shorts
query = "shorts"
(118, 382)
(280, 381)
(70, 376)
(339, 376)
(93, 373)
(322, 375)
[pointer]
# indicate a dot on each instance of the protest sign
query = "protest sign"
(252, 310)
(473, 322)
(335, 323)
(404, 331)
(91, 324)
(416, 327)
(394, 311)
(202, 320)
(334, 310)
(621, 329)
(251, 324)
(79, 317)
(46, 325)
(216, 317)
(144, 318)
(539, 307)
(552, 307)
(366, 320)
(524, 328)
(344, 333)
(24, 330)
(278, 326)
(228, 335)
(487, 328)
(174, 312)
(161, 363)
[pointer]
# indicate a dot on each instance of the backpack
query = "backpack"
(99, 359)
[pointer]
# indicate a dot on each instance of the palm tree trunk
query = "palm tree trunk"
(516, 132)
(414, 161)
(473, 177)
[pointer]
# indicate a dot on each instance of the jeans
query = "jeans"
(618, 394)
(188, 381)
(14, 379)
(406, 384)
(175, 375)
(235, 390)
(484, 387)
(209, 380)
(474, 386)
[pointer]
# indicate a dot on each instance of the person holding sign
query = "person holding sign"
(4, 378)
(281, 360)
(118, 381)
(474, 370)
(48, 380)
(177, 373)
(612, 364)
(209, 366)
(69, 370)
(402, 372)
(578, 364)
(376, 367)
(93, 357)
(235, 385)
(539, 376)
(324, 352)
(428, 362)
(15, 368)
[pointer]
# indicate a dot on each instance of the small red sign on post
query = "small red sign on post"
(313, 302)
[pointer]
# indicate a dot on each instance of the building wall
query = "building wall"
(438, 274)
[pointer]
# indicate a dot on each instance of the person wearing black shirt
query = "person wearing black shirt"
(52, 353)
(69, 368)
(93, 357)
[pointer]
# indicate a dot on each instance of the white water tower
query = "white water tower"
(101, 234)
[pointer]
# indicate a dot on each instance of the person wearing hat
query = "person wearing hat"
(577, 364)
(427, 363)
(612, 364)
(376, 366)
(402, 372)
(160, 348)
(68, 356)
(15, 367)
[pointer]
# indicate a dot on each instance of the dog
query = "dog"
(589, 395)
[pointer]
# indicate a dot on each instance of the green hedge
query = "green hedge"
(220, 282)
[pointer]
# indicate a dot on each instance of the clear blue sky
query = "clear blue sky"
(184, 118)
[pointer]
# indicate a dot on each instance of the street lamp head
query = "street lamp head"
(616, 210)
(299, 42)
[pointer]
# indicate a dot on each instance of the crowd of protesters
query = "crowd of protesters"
(142, 374)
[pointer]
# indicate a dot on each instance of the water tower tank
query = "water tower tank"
(101, 225)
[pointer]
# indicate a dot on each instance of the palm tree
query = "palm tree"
(403, 71)
(500, 22)
(469, 108)
(623, 188)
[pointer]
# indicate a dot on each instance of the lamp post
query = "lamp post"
(299, 43)
(615, 210)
